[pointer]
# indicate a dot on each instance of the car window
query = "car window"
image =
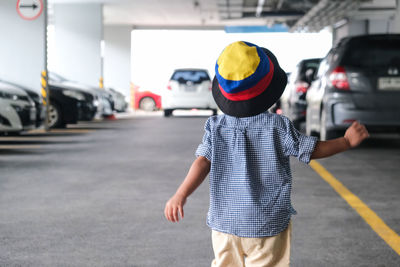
(373, 53)
(308, 70)
(184, 76)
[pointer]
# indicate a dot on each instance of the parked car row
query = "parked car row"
(22, 109)
(358, 80)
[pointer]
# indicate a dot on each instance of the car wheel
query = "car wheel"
(147, 104)
(325, 134)
(55, 117)
(168, 112)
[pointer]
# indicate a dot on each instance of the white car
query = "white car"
(17, 110)
(188, 89)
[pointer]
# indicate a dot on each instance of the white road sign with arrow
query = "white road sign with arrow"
(29, 9)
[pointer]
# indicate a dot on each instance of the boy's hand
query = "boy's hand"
(355, 134)
(173, 206)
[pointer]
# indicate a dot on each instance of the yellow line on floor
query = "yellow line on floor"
(376, 223)
(19, 146)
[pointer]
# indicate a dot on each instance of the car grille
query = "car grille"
(4, 121)
(24, 114)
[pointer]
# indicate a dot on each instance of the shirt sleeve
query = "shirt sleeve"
(297, 144)
(204, 149)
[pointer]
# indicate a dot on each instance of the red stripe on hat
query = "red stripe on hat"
(252, 91)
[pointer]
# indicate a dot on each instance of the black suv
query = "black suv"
(359, 80)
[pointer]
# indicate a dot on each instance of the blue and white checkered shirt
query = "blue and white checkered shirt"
(250, 177)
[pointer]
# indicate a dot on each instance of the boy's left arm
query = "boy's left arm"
(196, 175)
(354, 135)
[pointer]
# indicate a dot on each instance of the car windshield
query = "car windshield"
(56, 77)
(194, 76)
(373, 53)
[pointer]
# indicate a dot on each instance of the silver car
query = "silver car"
(17, 110)
(359, 80)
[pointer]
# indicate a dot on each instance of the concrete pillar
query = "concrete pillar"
(117, 58)
(378, 26)
(22, 46)
(395, 23)
(351, 28)
(78, 30)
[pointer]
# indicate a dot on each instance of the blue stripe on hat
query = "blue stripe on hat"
(263, 69)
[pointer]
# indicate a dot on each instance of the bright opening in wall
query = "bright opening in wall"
(156, 53)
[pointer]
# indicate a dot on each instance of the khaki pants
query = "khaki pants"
(234, 251)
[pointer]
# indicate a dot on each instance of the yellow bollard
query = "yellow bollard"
(101, 84)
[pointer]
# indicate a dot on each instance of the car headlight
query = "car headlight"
(74, 94)
(6, 95)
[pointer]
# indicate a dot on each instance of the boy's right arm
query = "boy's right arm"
(196, 175)
(354, 135)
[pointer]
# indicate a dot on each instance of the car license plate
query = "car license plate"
(389, 83)
(190, 88)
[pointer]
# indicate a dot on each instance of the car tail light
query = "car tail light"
(169, 86)
(338, 79)
(301, 87)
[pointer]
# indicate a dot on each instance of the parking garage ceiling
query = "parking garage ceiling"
(297, 15)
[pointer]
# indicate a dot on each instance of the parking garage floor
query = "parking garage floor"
(94, 195)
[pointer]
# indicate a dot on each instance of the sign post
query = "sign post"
(46, 89)
(31, 10)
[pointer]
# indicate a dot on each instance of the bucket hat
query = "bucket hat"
(248, 80)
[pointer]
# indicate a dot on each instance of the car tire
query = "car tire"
(147, 104)
(168, 112)
(55, 116)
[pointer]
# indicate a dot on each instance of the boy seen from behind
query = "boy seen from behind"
(246, 153)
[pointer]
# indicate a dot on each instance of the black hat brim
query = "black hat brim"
(258, 104)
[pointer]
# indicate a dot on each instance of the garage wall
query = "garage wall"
(117, 58)
(22, 47)
(78, 30)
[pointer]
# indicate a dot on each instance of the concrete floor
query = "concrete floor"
(94, 194)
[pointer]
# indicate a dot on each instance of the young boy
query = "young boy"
(246, 154)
